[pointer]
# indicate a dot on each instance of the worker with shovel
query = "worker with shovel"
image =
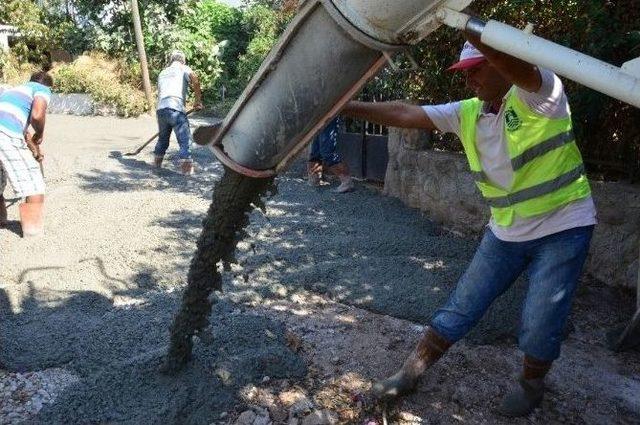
(518, 139)
(22, 107)
(172, 92)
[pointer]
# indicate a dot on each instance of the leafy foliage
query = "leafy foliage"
(266, 20)
(35, 34)
(200, 46)
(213, 35)
(14, 71)
(224, 23)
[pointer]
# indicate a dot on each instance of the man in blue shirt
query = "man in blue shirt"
(21, 108)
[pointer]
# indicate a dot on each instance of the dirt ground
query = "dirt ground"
(329, 294)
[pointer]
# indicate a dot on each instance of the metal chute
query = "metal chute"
(325, 56)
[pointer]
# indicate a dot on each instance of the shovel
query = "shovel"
(151, 139)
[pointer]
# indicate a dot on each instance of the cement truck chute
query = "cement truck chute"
(325, 56)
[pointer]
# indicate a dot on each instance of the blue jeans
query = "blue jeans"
(554, 264)
(170, 119)
(324, 147)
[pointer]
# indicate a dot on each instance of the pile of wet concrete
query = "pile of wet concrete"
(117, 354)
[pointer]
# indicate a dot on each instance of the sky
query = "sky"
(233, 3)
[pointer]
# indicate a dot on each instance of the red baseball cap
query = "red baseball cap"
(469, 57)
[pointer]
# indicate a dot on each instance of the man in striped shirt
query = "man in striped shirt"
(21, 108)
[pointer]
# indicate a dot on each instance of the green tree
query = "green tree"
(227, 25)
(200, 45)
(35, 36)
(265, 22)
(266, 19)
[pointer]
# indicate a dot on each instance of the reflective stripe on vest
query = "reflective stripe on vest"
(538, 190)
(538, 150)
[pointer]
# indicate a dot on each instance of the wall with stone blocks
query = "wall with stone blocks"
(440, 184)
(78, 104)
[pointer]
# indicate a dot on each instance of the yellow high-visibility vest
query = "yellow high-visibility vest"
(547, 165)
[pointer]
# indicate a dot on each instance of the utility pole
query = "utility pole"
(141, 52)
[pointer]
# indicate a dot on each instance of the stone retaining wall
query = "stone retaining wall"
(440, 184)
(78, 104)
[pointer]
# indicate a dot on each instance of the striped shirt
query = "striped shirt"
(15, 107)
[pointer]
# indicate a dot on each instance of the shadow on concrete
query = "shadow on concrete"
(22, 278)
(139, 174)
(359, 248)
(13, 226)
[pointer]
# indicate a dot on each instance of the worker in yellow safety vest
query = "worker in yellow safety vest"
(518, 138)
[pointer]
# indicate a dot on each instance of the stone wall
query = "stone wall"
(440, 184)
(78, 104)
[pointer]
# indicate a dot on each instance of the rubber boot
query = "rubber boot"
(428, 351)
(313, 173)
(157, 161)
(528, 394)
(31, 218)
(346, 182)
(186, 166)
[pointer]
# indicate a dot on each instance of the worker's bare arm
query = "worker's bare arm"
(393, 114)
(38, 117)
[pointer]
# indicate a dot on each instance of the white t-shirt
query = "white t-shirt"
(550, 101)
(172, 86)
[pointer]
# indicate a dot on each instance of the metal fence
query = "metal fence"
(363, 147)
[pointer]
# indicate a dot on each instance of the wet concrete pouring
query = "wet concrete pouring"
(234, 197)
(329, 292)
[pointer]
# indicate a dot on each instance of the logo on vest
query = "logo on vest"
(512, 120)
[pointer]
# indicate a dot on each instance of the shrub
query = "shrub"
(224, 23)
(12, 70)
(107, 81)
(196, 41)
(35, 34)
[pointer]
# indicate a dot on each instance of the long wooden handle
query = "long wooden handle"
(151, 139)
